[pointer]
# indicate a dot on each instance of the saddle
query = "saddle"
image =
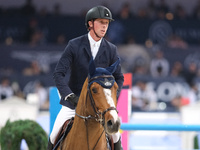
(65, 130)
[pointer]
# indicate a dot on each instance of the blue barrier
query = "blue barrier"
(159, 127)
(54, 107)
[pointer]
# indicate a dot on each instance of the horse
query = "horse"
(96, 115)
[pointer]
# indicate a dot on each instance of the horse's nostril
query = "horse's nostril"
(112, 126)
(109, 123)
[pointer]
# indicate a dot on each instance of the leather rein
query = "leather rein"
(99, 116)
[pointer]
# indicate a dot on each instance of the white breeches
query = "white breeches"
(65, 114)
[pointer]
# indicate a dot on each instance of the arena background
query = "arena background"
(27, 60)
(76, 7)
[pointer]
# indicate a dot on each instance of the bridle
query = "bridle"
(99, 116)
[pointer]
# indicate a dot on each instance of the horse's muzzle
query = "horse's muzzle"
(112, 126)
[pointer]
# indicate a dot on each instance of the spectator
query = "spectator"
(7, 70)
(190, 73)
(177, 69)
(161, 14)
(34, 34)
(162, 9)
(193, 94)
(17, 90)
(130, 39)
(28, 8)
(31, 29)
(125, 12)
(176, 102)
(142, 13)
(143, 97)
(196, 12)
(140, 66)
(42, 94)
(61, 39)
(56, 10)
(6, 90)
(33, 69)
(179, 12)
(139, 69)
(159, 66)
(175, 41)
(43, 12)
(37, 38)
(151, 9)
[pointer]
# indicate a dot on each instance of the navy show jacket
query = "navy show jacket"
(72, 68)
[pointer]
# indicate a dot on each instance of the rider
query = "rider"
(72, 68)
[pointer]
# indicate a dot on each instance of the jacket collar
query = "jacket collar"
(93, 42)
(86, 45)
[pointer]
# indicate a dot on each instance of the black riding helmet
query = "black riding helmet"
(98, 12)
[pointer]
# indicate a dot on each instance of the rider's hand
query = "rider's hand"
(72, 98)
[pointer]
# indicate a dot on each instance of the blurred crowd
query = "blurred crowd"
(39, 92)
(151, 10)
(158, 11)
(36, 35)
(143, 97)
(29, 9)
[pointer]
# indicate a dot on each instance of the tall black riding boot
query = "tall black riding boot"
(50, 145)
(118, 145)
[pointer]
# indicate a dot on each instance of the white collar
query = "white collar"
(93, 42)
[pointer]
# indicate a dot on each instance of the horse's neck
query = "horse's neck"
(88, 131)
(85, 111)
(90, 127)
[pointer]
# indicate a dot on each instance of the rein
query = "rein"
(99, 116)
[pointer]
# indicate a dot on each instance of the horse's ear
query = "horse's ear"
(92, 67)
(113, 67)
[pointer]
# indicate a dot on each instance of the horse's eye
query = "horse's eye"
(94, 90)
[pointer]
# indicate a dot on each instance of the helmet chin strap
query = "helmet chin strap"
(96, 34)
(95, 31)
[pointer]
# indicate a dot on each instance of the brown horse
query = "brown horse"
(96, 113)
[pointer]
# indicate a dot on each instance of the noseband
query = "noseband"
(99, 116)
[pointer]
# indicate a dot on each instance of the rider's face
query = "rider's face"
(99, 26)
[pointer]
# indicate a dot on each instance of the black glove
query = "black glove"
(73, 99)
